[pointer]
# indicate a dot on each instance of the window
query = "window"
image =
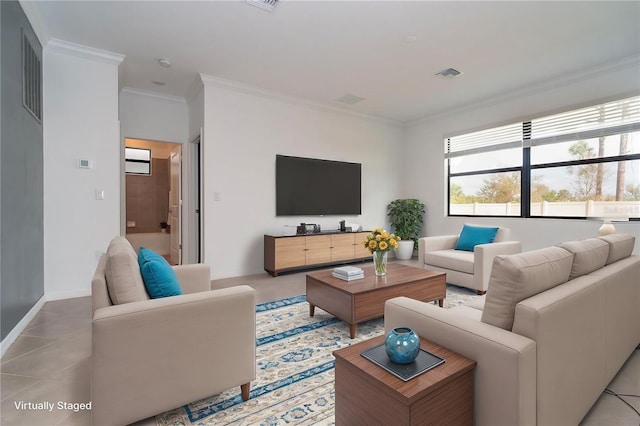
(581, 163)
(137, 161)
(485, 172)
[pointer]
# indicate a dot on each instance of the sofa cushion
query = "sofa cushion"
(588, 255)
(620, 246)
(159, 278)
(122, 272)
(471, 236)
(456, 260)
(519, 276)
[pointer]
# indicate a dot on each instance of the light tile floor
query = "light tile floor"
(50, 361)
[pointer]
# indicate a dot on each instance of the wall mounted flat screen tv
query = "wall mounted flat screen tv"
(311, 187)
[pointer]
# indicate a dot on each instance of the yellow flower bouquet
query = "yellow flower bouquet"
(379, 242)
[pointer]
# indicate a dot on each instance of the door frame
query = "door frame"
(185, 189)
(197, 196)
(175, 205)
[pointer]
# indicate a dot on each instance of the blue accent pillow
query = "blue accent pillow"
(159, 278)
(471, 236)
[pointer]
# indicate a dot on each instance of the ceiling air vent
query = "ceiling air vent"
(449, 73)
(267, 5)
(350, 99)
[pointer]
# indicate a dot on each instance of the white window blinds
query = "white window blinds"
(611, 118)
(498, 138)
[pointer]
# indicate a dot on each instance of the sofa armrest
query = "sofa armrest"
(201, 344)
(483, 255)
(441, 242)
(193, 278)
(505, 375)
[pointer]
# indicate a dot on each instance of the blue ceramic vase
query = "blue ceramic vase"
(402, 345)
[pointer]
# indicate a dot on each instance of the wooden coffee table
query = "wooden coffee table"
(368, 394)
(362, 300)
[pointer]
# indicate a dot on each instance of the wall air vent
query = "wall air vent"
(31, 79)
(350, 99)
(267, 5)
(449, 73)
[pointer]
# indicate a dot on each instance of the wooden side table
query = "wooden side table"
(368, 394)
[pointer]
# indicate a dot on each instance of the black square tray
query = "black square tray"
(425, 361)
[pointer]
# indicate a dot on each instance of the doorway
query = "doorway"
(153, 197)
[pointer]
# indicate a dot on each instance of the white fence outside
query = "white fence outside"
(601, 209)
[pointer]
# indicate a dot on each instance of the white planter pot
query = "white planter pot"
(606, 229)
(404, 250)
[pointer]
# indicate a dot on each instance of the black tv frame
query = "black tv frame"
(317, 187)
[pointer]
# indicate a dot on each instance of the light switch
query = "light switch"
(99, 194)
(216, 196)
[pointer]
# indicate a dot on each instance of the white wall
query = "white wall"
(145, 115)
(195, 102)
(80, 90)
(243, 134)
(155, 117)
(426, 173)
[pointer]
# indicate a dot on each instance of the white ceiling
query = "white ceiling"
(322, 50)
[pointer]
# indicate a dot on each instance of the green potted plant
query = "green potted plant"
(405, 216)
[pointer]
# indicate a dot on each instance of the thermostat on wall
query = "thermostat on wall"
(85, 164)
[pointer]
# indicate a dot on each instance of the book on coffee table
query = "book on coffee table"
(424, 362)
(348, 273)
(348, 277)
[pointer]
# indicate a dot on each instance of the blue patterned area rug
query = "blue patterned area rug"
(294, 366)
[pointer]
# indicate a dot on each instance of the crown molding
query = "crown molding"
(152, 95)
(545, 86)
(236, 86)
(84, 52)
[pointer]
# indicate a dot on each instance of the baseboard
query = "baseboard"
(61, 295)
(21, 326)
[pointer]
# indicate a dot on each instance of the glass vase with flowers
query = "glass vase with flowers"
(380, 243)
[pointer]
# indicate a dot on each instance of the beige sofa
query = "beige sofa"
(552, 331)
(153, 355)
(468, 269)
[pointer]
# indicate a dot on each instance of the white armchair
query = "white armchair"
(153, 355)
(470, 269)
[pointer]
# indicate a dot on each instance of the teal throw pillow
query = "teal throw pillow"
(159, 278)
(471, 236)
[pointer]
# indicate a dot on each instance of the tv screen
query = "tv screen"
(309, 186)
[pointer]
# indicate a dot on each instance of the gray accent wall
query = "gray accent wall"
(21, 179)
